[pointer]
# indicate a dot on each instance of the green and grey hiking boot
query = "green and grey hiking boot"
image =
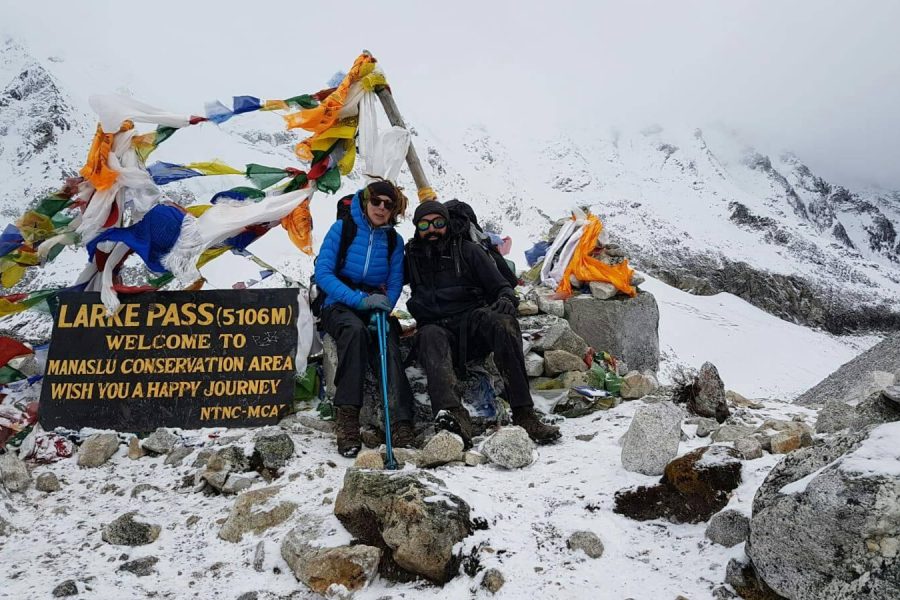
(403, 434)
(347, 429)
(456, 420)
(537, 430)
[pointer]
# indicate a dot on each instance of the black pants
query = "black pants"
(439, 346)
(357, 349)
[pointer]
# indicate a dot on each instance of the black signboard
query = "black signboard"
(171, 359)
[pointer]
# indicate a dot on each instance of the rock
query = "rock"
(728, 528)
(559, 361)
(652, 438)
(559, 336)
(627, 328)
(177, 455)
(229, 458)
(571, 379)
(410, 515)
(13, 473)
(731, 433)
(142, 488)
(746, 582)
(66, 588)
(586, 437)
(404, 456)
(784, 442)
(875, 410)
(255, 512)
(749, 448)
(309, 420)
(534, 364)
(586, 541)
(492, 580)
(526, 308)
(369, 459)
(259, 556)
(332, 572)
(706, 426)
(473, 458)
(602, 290)
(709, 398)
(125, 531)
(826, 520)
(235, 484)
(872, 382)
(509, 447)
(637, 385)
(134, 448)
(835, 416)
(142, 567)
(47, 482)
(97, 449)
(272, 451)
(892, 393)
(550, 305)
(693, 488)
(442, 448)
(161, 441)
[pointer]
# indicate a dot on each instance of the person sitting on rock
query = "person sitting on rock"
(370, 279)
(464, 309)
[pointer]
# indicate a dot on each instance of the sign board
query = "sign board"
(216, 358)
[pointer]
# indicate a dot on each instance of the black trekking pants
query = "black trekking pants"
(438, 348)
(357, 349)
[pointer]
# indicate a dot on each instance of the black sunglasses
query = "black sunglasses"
(437, 223)
(376, 202)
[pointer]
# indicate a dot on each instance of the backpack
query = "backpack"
(348, 232)
(464, 225)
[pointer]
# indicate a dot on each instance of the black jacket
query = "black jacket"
(450, 278)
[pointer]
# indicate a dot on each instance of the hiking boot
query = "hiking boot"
(456, 420)
(371, 437)
(403, 435)
(347, 429)
(537, 430)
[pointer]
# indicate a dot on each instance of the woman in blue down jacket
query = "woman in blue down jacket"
(369, 280)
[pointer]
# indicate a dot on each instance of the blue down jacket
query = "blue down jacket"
(366, 264)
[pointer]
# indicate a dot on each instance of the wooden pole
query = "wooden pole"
(412, 158)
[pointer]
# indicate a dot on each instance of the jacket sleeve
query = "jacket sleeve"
(326, 264)
(396, 275)
(486, 274)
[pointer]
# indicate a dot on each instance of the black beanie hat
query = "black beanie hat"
(430, 207)
(383, 188)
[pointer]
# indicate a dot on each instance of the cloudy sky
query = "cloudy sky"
(819, 77)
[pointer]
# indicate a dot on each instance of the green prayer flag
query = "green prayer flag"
(303, 101)
(330, 182)
(8, 374)
(297, 182)
(163, 133)
(51, 205)
(263, 176)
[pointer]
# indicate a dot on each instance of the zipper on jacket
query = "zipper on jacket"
(368, 254)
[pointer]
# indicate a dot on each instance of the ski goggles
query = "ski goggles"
(378, 201)
(437, 223)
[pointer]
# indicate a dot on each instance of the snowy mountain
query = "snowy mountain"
(701, 210)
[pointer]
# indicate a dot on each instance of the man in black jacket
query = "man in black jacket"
(464, 309)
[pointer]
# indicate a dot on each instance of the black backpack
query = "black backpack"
(348, 232)
(464, 225)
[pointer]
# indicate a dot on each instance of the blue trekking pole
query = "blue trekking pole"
(381, 323)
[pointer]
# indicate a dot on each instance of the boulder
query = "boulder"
(652, 438)
(749, 448)
(161, 441)
(509, 447)
(559, 336)
(126, 531)
(13, 473)
(255, 512)
(134, 448)
(332, 572)
(534, 364)
(97, 449)
(473, 458)
(369, 459)
(571, 379)
(309, 420)
(741, 576)
(826, 522)
(492, 580)
(177, 456)
(550, 305)
(731, 433)
(835, 416)
(66, 588)
(627, 328)
(559, 361)
(587, 542)
(637, 385)
(602, 290)
(527, 308)
(444, 447)
(272, 451)
(142, 567)
(875, 410)
(872, 382)
(706, 426)
(693, 488)
(411, 516)
(728, 528)
(47, 482)
(892, 392)
(784, 442)
(708, 399)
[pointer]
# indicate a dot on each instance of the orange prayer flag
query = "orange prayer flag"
(299, 227)
(587, 268)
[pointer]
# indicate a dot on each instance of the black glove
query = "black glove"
(376, 302)
(504, 306)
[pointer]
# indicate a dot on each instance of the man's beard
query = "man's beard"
(433, 237)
